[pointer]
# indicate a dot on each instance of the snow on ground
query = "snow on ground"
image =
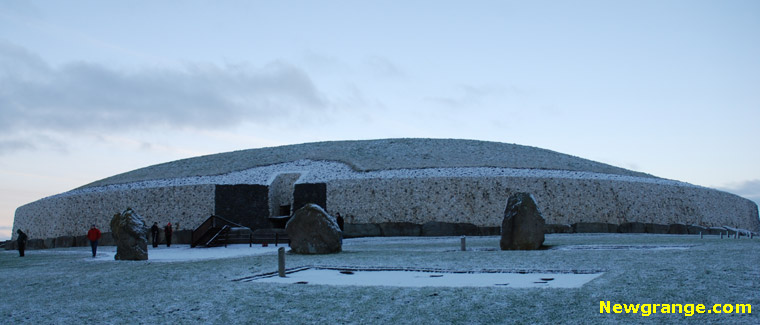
(626, 247)
(59, 286)
(183, 253)
(434, 279)
(356, 276)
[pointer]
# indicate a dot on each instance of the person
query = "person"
(21, 241)
(340, 225)
(168, 234)
(340, 221)
(94, 236)
(154, 234)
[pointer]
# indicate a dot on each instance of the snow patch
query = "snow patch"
(183, 253)
(423, 278)
(625, 247)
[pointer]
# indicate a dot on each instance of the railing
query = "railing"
(225, 230)
(212, 223)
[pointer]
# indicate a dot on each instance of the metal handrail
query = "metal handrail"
(224, 228)
(206, 226)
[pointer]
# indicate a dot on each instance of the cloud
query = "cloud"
(382, 67)
(27, 141)
(85, 97)
(474, 96)
(11, 145)
(748, 189)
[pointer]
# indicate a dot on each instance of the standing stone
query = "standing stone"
(131, 235)
(312, 231)
(523, 225)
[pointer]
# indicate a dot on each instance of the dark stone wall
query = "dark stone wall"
(678, 229)
(353, 230)
(395, 229)
(553, 228)
(653, 228)
(306, 193)
(595, 227)
(465, 229)
(633, 227)
(247, 205)
(388, 229)
(435, 228)
(694, 229)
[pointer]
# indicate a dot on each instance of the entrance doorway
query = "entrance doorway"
(281, 194)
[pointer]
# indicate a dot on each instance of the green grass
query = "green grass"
(60, 286)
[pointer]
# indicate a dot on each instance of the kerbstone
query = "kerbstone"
(362, 230)
(397, 229)
(653, 228)
(65, 241)
(632, 227)
(558, 229)
(594, 227)
(678, 229)
(437, 228)
(695, 229)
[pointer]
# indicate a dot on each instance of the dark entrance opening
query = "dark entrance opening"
(284, 210)
(309, 193)
(247, 205)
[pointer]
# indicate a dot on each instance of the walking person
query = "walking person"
(168, 234)
(21, 241)
(94, 236)
(154, 234)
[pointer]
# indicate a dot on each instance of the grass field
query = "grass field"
(63, 286)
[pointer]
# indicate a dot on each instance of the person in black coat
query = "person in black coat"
(340, 225)
(168, 234)
(340, 221)
(154, 234)
(21, 241)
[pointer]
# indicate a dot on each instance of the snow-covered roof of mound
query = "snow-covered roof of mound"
(374, 155)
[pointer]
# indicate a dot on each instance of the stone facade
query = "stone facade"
(72, 215)
(481, 201)
(382, 201)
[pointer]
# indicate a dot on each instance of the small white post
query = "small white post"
(721, 235)
(700, 235)
(463, 242)
(281, 261)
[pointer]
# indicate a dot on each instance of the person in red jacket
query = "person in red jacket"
(93, 235)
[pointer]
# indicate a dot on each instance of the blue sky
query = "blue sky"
(89, 89)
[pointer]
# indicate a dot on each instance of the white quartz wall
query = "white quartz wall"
(476, 195)
(72, 215)
(482, 200)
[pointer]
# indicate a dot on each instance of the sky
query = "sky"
(90, 89)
